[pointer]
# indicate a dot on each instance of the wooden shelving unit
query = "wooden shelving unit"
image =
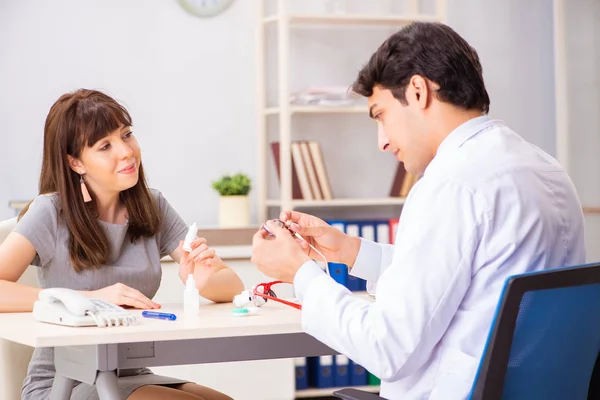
(284, 20)
(349, 19)
(385, 201)
(319, 110)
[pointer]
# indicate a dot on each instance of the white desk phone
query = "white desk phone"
(68, 307)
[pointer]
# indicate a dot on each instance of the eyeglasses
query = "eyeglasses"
(259, 295)
(263, 292)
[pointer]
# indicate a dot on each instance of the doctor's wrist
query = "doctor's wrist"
(350, 250)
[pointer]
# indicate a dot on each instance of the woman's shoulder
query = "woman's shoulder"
(41, 220)
(159, 198)
(156, 194)
(49, 202)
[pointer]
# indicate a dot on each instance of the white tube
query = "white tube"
(189, 238)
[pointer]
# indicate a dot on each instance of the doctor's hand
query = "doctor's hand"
(202, 262)
(335, 245)
(278, 256)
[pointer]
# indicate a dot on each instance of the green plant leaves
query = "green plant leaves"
(235, 185)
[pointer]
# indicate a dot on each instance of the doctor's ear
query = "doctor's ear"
(76, 165)
(418, 91)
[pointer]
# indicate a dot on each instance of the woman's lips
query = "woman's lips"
(128, 170)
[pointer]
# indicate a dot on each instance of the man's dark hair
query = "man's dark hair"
(434, 51)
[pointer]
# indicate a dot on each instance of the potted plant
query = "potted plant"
(234, 203)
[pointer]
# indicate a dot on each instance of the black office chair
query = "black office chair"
(544, 341)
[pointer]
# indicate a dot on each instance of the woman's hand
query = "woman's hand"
(123, 295)
(214, 279)
(202, 262)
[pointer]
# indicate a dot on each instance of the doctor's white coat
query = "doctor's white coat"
(489, 205)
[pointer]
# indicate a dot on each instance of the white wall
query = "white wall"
(514, 42)
(188, 83)
(582, 40)
(190, 86)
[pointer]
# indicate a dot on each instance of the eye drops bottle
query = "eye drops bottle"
(189, 238)
(191, 297)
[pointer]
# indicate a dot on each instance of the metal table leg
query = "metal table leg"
(61, 387)
(106, 385)
(93, 364)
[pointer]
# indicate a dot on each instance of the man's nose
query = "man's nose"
(382, 139)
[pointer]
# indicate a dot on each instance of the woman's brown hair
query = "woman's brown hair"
(77, 120)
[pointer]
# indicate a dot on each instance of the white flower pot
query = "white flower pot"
(234, 211)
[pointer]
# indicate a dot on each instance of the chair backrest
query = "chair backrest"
(14, 357)
(545, 338)
(6, 227)
(29, 277)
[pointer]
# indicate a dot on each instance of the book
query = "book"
(310, 171)
(399, 178)
(298, 162)
(296, 191)
(319, 164)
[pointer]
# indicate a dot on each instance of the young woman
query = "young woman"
(97, 228)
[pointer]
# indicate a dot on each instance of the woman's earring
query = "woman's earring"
(84, 190)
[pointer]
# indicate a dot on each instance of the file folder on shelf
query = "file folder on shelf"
(339, 272)
(341, 375)
(320, 372)
(301, 373)
(358, 375)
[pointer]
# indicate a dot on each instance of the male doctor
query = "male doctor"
(489, 205)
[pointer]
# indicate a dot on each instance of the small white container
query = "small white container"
(191, 297)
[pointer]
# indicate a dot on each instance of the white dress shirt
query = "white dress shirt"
(489, 205)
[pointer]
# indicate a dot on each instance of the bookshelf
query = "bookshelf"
(349, 19)
(319, 110)
(386, 201)
(283, 20)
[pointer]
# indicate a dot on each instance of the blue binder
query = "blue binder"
(339, 272)
(358, 375)
(363, 285)
(341, 375)
(341, 225)
(354, 283)
(320, 373)
(301, 373)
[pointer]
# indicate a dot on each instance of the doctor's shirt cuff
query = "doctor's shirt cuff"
(308, 272)
(368, 261)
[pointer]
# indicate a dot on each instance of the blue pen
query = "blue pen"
(159, 315)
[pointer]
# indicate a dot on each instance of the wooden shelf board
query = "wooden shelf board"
(352, 19)
(320, 110)
(342, 202)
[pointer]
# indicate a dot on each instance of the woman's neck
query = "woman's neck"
(110, 209)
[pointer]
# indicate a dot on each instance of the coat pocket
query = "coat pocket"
(455, 375)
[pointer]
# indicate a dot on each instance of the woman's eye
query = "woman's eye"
(105, 147)
(128, 135)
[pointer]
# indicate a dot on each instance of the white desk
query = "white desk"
(93, 355)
